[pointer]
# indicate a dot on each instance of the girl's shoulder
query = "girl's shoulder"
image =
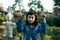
(38, 24)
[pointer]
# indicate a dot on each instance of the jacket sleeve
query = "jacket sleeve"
(42, 27)
(19, 26)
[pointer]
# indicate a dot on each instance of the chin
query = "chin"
(31, 23)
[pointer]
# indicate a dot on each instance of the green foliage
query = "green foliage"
(57, 2)
(35, 3)
(50, 20)
(2, 18)
(54, 32)
(57, 21)
(53, 20)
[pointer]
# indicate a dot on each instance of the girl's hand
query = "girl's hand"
(43, 15)
(19, 14)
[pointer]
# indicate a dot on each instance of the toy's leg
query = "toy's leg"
(10, 34)
(4, 34)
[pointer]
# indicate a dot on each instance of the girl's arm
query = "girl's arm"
(43, 25)
(42, 28)
(19, 25)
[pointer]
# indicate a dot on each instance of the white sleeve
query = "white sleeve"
(13, 23)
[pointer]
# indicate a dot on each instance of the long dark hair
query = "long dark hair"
(36, 18)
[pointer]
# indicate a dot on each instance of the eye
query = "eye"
(29, 17)
(32, 17)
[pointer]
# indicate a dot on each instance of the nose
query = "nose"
(30, 19)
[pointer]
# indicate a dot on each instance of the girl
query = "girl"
(31, 28)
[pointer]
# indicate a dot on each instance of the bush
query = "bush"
(57, 21)
(53, 20)
(50, 20)
(54, 32)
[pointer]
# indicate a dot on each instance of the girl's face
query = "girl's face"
(31, 18)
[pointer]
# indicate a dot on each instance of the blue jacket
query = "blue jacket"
(31, 33)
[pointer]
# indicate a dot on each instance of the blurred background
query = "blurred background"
(50, 7)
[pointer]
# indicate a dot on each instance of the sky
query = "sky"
(47, 4)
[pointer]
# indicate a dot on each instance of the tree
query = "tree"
(57, 6)
(57, 2)
(35, 4)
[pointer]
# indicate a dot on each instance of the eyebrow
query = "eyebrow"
(31, 16)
